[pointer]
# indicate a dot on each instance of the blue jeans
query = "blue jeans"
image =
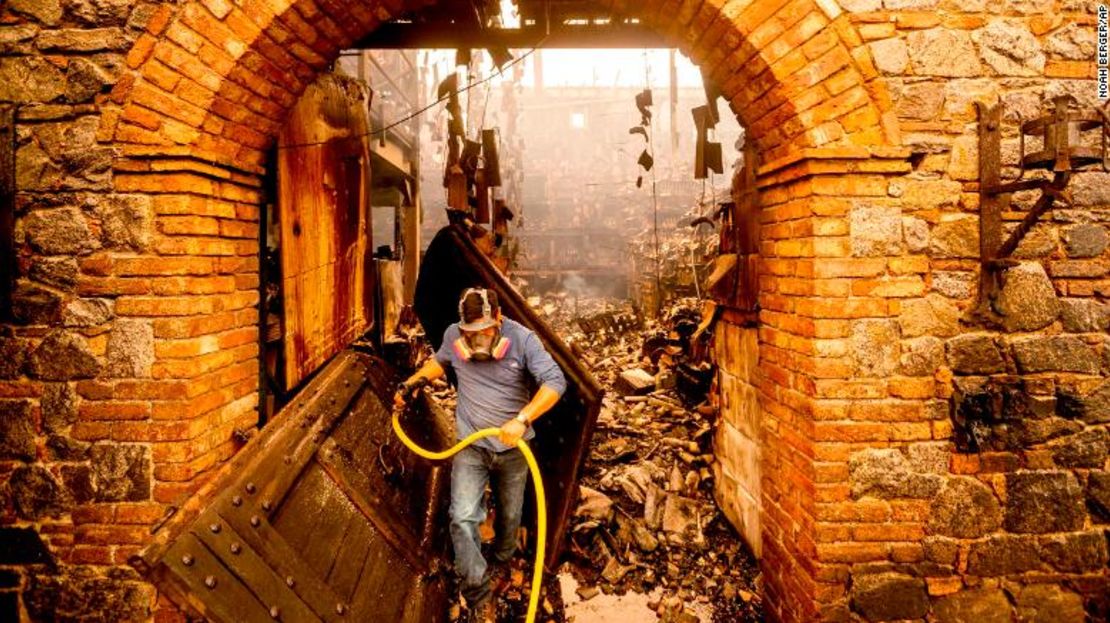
(471, 469)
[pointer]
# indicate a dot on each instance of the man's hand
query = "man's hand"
(511, 431)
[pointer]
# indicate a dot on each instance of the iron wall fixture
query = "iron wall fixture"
(1067, 146)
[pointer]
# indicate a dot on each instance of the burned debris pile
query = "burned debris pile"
(646, 520)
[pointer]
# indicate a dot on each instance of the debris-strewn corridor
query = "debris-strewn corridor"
(691, 311)
(647, 535)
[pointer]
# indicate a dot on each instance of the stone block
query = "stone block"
(941, 550)
(128, 222)
(13, 352)
(130, 351)
(974, 354)
(1010, 49)
(100, 12)
(58, 406)
(929, 457)
(1041, 241)
(874, 347)
(1073, 42)
(1019, 433)
(981, 606)
(1084, 315)
(963, 165)
(1027, 301)
(943, 52)
(63, 448)
(875, 231)
(119, 473)
(1049, 603)
(17, 430)
(59, 272)
(964, 508)
(1060, 353)
(886, 473)
(63, 356)
(63, 231)
(1041, 502)
(34, 170)
(1027, 7)
(82, 40)
(1086, 240)
(888, 596)
(1098, 495)
(890, 55)
(916, 232)
(88, 312)
(49, 12)
(1003, 555)
(1084, 449)
(1078, 552)
(35, 304)
(85, 80)
(36, 494)
(920, 101)
(921, 356)
(65, 595)
(957, 238)
(931, 315)
(1090, 189)
(935, 194)
(1092, 407)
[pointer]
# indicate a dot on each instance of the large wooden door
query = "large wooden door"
(324, 517)
(323, 212)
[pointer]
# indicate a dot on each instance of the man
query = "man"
(490, 356)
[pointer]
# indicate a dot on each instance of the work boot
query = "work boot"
(484, 611)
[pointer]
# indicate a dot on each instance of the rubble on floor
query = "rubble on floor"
(646, 521)
(646, 526)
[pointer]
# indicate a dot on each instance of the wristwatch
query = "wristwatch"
(523, 419)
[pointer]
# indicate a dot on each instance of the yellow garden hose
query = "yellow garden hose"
(541, 500)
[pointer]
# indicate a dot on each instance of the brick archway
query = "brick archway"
(213, 80)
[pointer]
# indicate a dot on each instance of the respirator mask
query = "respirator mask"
(481, 338)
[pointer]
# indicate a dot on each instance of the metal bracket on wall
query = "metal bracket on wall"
(1062, 152)
(7, 210)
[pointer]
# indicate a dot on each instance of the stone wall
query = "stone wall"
(962, 471)
(131, 354)
(141, 130)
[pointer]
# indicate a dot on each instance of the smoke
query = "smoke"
(596, 286)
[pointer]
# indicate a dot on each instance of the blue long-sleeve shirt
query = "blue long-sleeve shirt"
(493, 392)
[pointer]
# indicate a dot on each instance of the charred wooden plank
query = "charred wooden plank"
(324, 206)
(325, 537)
(251, 570)
(294, 509)
(344, 574)
(207, 587)
(286, 562)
